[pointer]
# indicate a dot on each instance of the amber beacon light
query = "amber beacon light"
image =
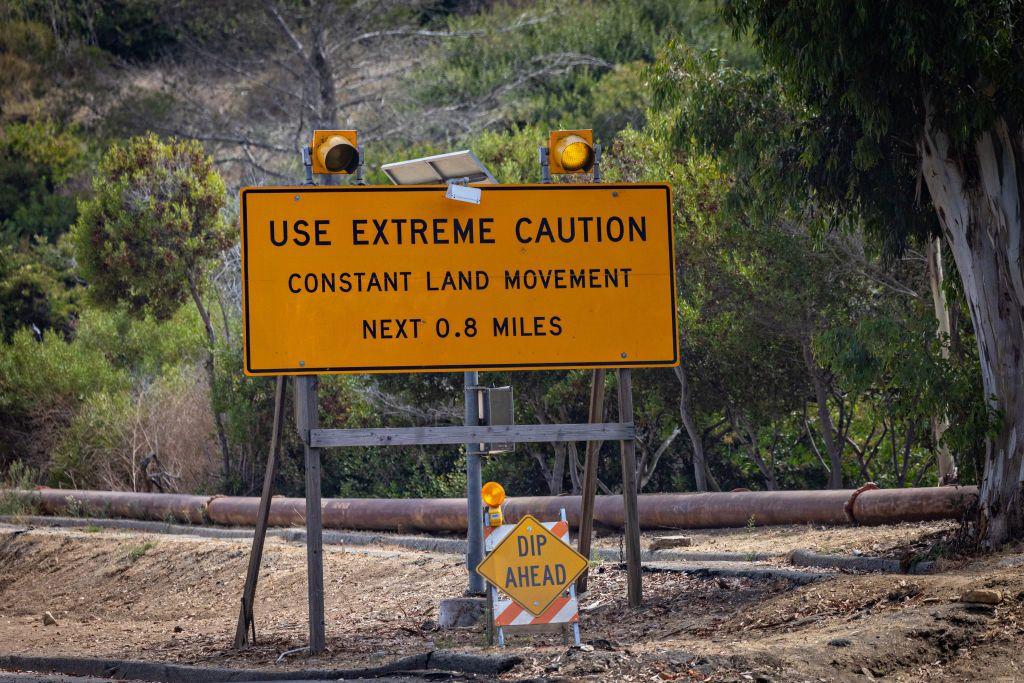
(493, 495)
(571, 151)
(335, 151)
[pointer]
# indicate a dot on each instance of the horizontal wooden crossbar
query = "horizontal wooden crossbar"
(425, 436)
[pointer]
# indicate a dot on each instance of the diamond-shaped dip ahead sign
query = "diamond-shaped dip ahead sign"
(532, 566)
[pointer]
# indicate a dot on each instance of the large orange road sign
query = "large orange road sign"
(402, 279)
(532, 565)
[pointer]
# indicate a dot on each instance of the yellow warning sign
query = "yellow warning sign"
(532, 566)
(403, 279)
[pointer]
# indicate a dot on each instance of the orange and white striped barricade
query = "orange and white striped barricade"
(508, 615)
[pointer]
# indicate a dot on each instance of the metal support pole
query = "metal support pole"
(572, 593)
(252, 575)
(307, 162)
(474, 501)
(634, 586)
(307, 418)
(545, 165)
(597, 163)
(596, 415)
(359, 179)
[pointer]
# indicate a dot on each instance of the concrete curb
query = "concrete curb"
(809, 558)
(704, 556)
(740, 570)
(428, 664)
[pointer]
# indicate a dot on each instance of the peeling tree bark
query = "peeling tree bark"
(981, 219)
(939, 423)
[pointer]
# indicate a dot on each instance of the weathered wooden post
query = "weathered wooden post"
(308, 419)
(595, 415)
(634, 586)
(245, 615)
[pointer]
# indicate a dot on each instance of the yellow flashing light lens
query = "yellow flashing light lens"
(575, 154)
(493, 494)
(338, 155)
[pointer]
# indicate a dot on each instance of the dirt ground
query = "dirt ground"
(175, 599)
(881, 541)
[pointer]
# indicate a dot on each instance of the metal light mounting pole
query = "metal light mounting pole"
(359, 179)
(474, 482)
(307, 162)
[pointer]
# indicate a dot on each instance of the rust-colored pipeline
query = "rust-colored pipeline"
(881, 506)
(657, 511)
(168, 507)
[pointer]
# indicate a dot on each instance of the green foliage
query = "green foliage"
(133, 30)
(843, 110)
(134, 553)
(38, 289)
(37, 162)
(27, 53)
(511, 155)
(65, 404)
(42, 385)
(153, 223)
(959, 56)
(91, 440)
(37, 375)
(143, 347)
(894, 359)
(782, 152)
(549, 63)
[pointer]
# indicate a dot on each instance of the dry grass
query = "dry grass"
(171, 419)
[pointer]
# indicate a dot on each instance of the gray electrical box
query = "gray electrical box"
(498, 410)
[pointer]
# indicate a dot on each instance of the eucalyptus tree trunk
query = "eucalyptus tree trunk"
(977, 193)
(939, 423)
(700, 467)
(833, 439)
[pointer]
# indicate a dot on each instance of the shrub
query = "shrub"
(115, 432)
(42, 385)
(153, 224)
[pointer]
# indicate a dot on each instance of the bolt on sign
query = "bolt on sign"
(400, 279)
(532, 566)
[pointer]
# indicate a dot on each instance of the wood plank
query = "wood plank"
(634, 585)
(595, 415)
(422, 436)
(308, 414)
